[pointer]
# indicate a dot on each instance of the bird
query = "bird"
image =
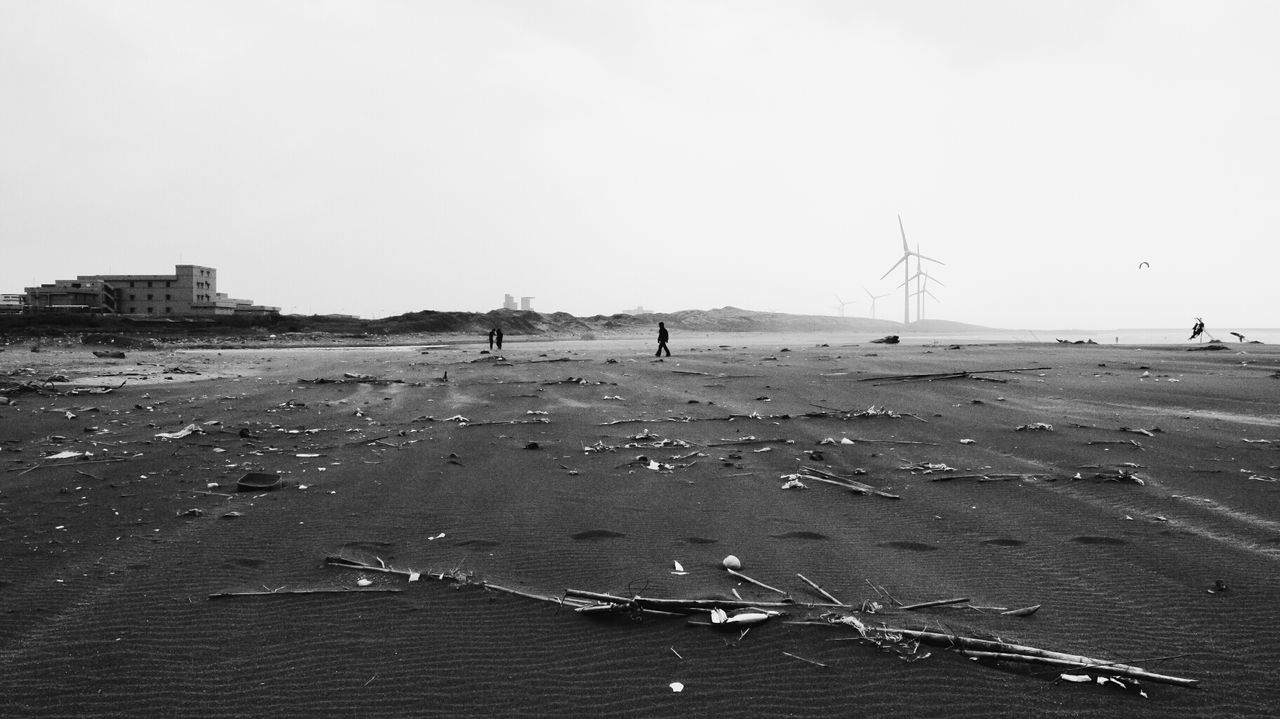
(1143, 264)
(1197, 328)
(1238, 336)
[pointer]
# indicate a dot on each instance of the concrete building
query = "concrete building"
(508, 302)
(526, 303)
(11, 303)
(190, 291)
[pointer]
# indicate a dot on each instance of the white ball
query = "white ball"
(731, 562)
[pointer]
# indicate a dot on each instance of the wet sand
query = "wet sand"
(109, 558)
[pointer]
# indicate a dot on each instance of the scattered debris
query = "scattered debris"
(1035, 427)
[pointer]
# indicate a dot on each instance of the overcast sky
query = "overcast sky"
(375, 158)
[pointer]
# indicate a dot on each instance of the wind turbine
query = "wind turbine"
(873, 301)
(842, 305)
(922, 278)
(907, 254)
(922, 291)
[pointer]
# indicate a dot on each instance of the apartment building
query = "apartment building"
(192, 290)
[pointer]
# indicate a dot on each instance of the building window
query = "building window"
(168, 309)
(168, 296)
(148, 283)
(151, 310)
(168, 283)
(148, 295)
(131, 296)
(131, 283)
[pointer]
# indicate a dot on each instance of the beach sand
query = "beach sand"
(108, 559)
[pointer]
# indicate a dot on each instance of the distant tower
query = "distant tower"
(526, 303)
(508, 302)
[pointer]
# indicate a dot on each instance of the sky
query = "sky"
(377, 157)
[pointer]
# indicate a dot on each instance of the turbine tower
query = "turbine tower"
(840, 307)
(923, 290)
(873, 301)
(922, 278)
(905, 261)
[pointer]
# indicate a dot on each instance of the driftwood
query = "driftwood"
(820, 590)
(588, 602)
(756, 582)
(357, 564)
(1004, 477)
(822, 475)
(892, 441)
(806, 661)
(751, 440)
(282, 591)
(961, 374)
(935, 603)
(691, 605)
(1027, 653)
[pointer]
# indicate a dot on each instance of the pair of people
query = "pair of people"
(495, 334)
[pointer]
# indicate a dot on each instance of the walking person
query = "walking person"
(498, 336)
(491, 338)
(663, 336)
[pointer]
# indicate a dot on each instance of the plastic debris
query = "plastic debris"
(185, 431)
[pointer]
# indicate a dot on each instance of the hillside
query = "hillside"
(432, 322)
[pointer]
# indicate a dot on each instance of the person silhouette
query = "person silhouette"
(663, 336)
(498, 336)
(491, 332)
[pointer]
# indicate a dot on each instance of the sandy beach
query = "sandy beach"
(1129, 491)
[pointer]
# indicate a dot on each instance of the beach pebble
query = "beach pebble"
(732, 562)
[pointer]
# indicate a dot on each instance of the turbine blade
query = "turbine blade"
(895, 266)
(917, 254)
(904, 235)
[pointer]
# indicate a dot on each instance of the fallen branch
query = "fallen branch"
(692, 605)
(756, 582)
(985, 477)
(806, 661)
(935, 603)
(961, 374)
(970, 644)
(820, 590)
(282, 591)
(357, 564)
(822, 475)
(892, 441)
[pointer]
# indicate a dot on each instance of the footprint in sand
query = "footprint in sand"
(800, 535)
(913, 546)
(700, 540)
(593, 534)
(478, 543)
(1088, 539)
(1004, 542)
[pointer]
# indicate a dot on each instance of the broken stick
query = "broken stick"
(820, 590)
